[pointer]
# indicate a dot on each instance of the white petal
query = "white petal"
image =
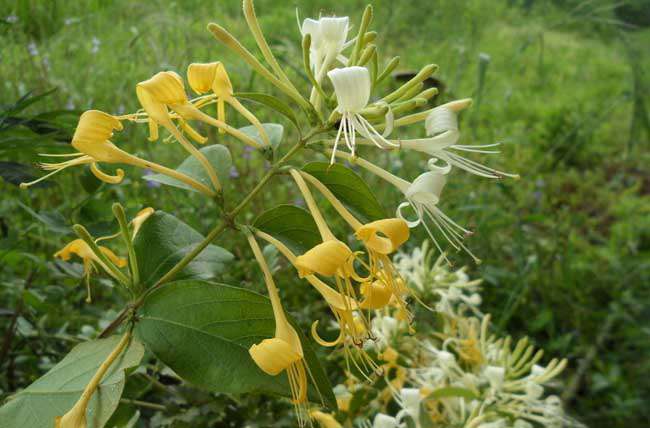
(352, 88)
(426, 188)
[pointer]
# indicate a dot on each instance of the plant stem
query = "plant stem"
(213, 234)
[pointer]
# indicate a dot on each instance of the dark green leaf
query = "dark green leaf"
(292, 225)
(219, 157)
(203, 330)
(53, 220)
(272, 102)
(16, 173)
(349, 188)
(162, 242)
(56, 392)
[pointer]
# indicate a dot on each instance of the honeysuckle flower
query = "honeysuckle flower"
(380, 238)
(352, 88)
(325, 420)
(81, 249)
(328, 40)
(442, 127)
(284, 351)
(76, 417)
(385, 421)
(213, 77)
(140, 218)
(92, 140)
(423, 195)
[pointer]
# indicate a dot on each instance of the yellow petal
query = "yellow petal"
(117, 261)
(325, 259)
(376, 295)
(201, 76)
(77, 247)
(91, 137)
(165, 87)
(140, 218)
(384, 236)
(273, 355)
(222, 87)
(325, 420)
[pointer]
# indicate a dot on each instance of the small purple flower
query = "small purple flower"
(32, 48)
(11, 19)
(233, 172)
(151, 184)
(299, 202)
(247, 152)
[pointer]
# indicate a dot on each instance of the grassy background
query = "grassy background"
(562, 84)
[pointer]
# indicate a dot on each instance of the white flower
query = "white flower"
(328, 39)
(409, 400)
(495, 376)
(352, 89)
(423, 195)
(384, 421)
(442, 128)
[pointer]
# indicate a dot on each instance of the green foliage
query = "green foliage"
(218, 156)
(290, 224)
(203, 330)
(349, 188)
(163, 240)
(55, 393)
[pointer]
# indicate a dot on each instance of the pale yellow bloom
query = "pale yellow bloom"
(140, 218)
(284, 351)
(384, 236)
(213, 76)
(92, 140)
(325, 420)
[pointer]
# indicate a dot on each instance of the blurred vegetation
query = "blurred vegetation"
(566, 249)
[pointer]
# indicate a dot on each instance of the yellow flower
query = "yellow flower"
(325, 420)
(140, 218)
(92, 140)
(213, 76)
(284, 351)
(384, 236)
(376, 295)
(75, 418)
(328, 258)
(166, 90)
(82, 250)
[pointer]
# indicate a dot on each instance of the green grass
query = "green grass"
(565, 249)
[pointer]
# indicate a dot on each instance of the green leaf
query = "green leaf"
(349, 188)
(53, 220)
(272, 102)
(453, 391)
(275, 131)
(203, 330)
(163, 240)
(292, 225)
(57, 391)
(217, 154)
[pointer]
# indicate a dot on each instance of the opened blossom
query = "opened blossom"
(283, 352)
(352, 88)
(205, 77)
(92, 141)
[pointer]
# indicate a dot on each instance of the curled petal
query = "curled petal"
(140, 218)
(274, 355)
(384, 236)
(325, 259)
(92, 136)
(323, 342)
(426, 188)
(165, 87)
(107, 178)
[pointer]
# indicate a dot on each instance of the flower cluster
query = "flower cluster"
(482, 378)
(460, 374)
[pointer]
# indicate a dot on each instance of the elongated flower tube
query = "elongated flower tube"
(442, 127)
(92, 140)
(352, 325)
(422, 195)
(213, 76)
(352, 89)
(325, 420)
(76, 417)
(284, 351)
(90, 260)
(381, 238)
